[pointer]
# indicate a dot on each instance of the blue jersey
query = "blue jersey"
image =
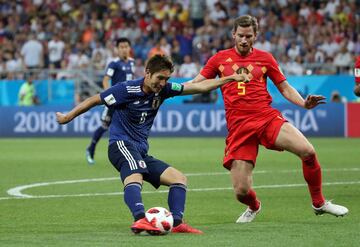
(135, 111)
(120, 70)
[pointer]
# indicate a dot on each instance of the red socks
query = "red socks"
(250, 200)
(312, 175)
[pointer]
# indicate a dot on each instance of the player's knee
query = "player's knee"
(181, 179)
(241, 191)
(307, 151)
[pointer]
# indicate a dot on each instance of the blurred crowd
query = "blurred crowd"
(306, 37)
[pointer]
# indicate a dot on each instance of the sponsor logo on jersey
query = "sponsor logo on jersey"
(110, 99)
(176, 87)
(142, 164)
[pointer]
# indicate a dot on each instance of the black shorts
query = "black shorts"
(125, 157)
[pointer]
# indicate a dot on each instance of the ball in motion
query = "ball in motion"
(161, 218)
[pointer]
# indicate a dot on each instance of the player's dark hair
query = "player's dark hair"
(159, 62)
(246, 21)
(122, 40)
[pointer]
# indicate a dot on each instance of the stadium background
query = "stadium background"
(315, 43)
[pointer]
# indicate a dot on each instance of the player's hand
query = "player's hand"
(357, 90)
(312, 101)
(242, 77)
(61, 118)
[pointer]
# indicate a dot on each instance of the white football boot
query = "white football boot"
(248, 216)
(331, 208)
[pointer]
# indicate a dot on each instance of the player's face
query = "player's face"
(124, 50)
(155, 82)
(244, 39)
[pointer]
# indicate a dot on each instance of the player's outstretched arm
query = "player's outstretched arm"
(210, 84)
(79, 109)
(292, 95)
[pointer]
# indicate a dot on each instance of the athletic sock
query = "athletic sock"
(312, 175)
(96, 137)
(176, 202)
(250, 200)
(132, 198)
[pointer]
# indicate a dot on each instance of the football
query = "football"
(161, 218)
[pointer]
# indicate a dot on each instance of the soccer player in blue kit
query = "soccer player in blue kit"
(135, 104)
(119, 70)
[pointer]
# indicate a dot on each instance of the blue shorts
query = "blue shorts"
(125, 157)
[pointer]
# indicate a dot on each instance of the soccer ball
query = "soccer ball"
(161, 218)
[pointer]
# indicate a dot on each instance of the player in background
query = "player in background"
(252, 121)
(119, 70)
(357, 76)
(135, 104)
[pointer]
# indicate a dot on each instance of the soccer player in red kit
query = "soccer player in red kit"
(357, 76)
(252, 121)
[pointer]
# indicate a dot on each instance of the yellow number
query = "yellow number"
(241, 88)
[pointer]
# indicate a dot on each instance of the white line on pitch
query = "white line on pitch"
(273, 186)
(17, 191)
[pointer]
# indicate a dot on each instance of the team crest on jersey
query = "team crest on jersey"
(156, 101)
(243, 70)
(142, 164)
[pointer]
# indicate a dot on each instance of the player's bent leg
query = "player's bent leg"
(292, 140)
(90, 150)
(241, 175)
(177, 181)
(133, 199)
(172, 176)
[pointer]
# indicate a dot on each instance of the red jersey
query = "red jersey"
(239, 95)
(357, 70)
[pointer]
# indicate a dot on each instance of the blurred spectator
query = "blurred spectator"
(311, 30)
(343, 60)
(188, 69)
(139, 68)
(27, 94)
(56, 48)
(337, 98)
(32, 52)
(218, 12)
(156, 50)
(262, 44)
(295, 67)
(14, 65)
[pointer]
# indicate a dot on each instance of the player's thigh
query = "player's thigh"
(292, 140)
(172, 176)
(160, 173)
(241, 175)
(127, 160)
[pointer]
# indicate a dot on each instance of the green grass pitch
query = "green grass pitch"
(73, 204)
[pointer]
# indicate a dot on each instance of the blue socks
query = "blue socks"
(132, 198)
(96, 137)
(176, 201)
